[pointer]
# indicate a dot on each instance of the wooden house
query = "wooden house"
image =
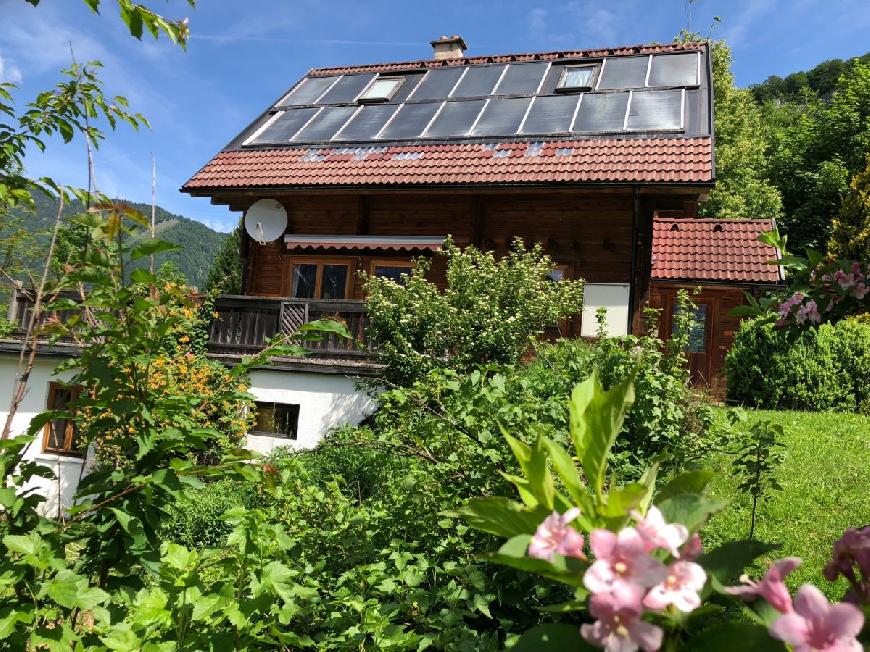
(718, 261)
(376, 164)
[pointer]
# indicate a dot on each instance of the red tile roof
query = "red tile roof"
(713, 250)
(509, 58)
(625, 160)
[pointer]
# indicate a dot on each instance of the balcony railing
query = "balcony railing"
(244, 324)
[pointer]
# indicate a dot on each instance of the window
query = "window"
(697, 329)
(381, 89)
(392, 269)
(320, 278)
(61, 434)
(276, 419)
(576, 78)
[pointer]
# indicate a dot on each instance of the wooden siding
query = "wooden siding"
(590, 232)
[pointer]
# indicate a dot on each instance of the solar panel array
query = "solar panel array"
(655, 93)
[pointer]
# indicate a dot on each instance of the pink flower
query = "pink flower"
(680, 588)
(816, 625)
(619, 627)
(621, 559)
(850, 550)
(859, 291)
(693, 548)
(772, 587)
(846, 281)
(554, 535)
(656, 533)
(808, 311)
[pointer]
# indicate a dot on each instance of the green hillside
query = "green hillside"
(199, 244)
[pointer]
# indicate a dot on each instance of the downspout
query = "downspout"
(632, 292)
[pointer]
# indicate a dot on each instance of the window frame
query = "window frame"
(69, 426)
(593, 78)
(294, 436)
(381, 99)
(405, 263)
(320, 261)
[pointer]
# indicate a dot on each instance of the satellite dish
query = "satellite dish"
(265, 220)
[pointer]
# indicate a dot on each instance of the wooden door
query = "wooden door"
(700, 349)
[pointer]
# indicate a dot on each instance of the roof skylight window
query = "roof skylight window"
(381, 89)
(576, 78)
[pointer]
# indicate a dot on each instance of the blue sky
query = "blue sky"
(245, 53)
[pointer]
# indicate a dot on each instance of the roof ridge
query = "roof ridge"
(715, 220)
(626, 50)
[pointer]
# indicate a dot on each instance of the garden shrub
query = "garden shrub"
(823, 368)
(196, 520)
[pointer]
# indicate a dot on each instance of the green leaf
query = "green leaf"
(552, 638)
(567, 570)
(205, 606)
(72, 591)
(319, 326)
(728, 561)
(533, 462)
(690, 482)
(142, 275)
(565, 468)
(279, 578)
(500, 516)
(596, 419)
(150, 247)
(24, 544)
(731, 636)
(621, 501)
(690, 509)
(121, 637)
(178, 557)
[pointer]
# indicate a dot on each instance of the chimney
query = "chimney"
(449, 47)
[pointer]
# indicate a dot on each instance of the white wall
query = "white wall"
(325, 400)
(613, 297)
(66, 469)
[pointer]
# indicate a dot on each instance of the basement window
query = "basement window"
(381, 89)
(276, 419)
(576, 78)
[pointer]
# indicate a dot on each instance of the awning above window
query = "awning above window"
(405, 244)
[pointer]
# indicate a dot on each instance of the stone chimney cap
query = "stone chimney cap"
(449, 47)
(450, 40)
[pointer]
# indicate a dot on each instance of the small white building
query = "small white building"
(297, 404)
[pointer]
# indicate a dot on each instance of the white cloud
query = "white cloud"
(9, 72)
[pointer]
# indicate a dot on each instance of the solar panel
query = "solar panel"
(624, 72)
(478, 81)
(551, 114)
(502, 117)
(327, 122)
(407, 87)
(410, 121)
(455, 119)
(656, 110)
(696, 118)
(522, 79)
(282, 128)
(674, 70)
(601, 112)
(436, 84)
(307, 91)
(346, 89)
(366, 123)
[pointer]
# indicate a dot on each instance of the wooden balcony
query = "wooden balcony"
(244, 324)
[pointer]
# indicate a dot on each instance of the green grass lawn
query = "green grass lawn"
(826, 488)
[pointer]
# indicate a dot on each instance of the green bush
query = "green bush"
(824, 368)
(196, 521)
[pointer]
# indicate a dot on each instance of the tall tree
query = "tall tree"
(226, 271)
(850, 236)
(816, 147)
(742, 188)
